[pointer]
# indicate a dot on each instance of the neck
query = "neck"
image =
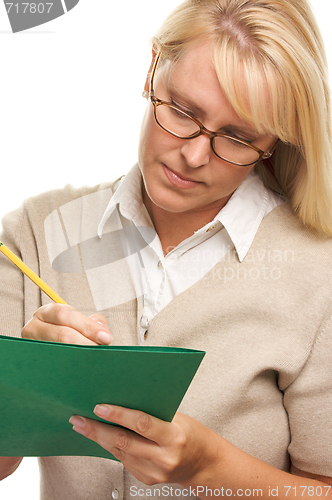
(174, 227)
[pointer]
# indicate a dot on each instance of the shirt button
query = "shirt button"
(115, 494)
(210, 229)
(160, 265)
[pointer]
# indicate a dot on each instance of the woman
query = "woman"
(237, 96)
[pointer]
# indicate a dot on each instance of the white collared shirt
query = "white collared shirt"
(159, 278)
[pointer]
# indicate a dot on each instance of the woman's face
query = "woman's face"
(184, 175)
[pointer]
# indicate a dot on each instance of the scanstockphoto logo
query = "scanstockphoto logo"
(25, 15)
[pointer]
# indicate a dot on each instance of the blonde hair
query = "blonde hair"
(274, 50)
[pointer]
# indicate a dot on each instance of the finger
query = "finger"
(100, 319)
(145, 459)
(38, 330)
(64, 315)
(63, 323)
(121, 442)
(139, 422)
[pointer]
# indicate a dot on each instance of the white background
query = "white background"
(70, 110)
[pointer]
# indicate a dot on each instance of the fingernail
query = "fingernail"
(102, 411)
(104, 337)
(77, 422)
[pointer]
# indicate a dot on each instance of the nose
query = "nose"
(197, 151)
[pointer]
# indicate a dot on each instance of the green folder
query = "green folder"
(42, 384)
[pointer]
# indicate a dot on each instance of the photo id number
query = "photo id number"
(29, 8)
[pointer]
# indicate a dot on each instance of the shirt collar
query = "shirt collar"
(244, 212)
(128, 197)
(241, 216)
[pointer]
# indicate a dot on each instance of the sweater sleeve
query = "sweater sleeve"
(12, 281)
(308, 401)
(20, 297)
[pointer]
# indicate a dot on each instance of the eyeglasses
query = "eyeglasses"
(181, 124)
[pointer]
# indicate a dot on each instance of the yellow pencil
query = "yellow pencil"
(30, 274)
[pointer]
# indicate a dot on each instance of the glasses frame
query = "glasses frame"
(202, 130)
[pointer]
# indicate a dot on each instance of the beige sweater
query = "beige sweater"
(265, 382)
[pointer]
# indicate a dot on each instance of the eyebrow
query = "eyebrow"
(190, 105)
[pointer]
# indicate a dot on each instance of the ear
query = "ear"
(147, 81)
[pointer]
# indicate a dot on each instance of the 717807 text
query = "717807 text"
(310, 491)
(29, 8)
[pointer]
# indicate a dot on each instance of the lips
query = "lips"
(180, 181)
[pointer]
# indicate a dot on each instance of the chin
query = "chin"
(167, 200)
(168, 206)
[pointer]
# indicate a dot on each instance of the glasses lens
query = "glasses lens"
(175, 121)
(235, 152)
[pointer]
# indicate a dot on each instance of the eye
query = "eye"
(179, 110)
(238, 144)
(236, 138)
(179, 114)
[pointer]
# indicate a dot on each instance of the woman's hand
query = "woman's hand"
(189, 454)
(63, 323)
(154, 451)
